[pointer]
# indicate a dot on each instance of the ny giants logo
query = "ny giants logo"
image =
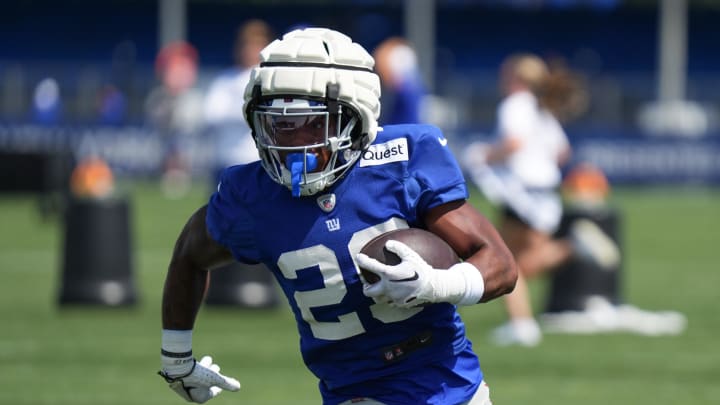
(333, 224)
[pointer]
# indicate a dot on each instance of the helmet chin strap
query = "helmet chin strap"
(299, 163)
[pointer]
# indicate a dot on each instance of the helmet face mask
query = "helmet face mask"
(312, 104)
(286, 123)
(301, 144)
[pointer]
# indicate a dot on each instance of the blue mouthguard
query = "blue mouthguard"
(298, 163)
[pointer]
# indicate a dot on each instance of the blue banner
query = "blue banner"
(653, 160)
(137, 150)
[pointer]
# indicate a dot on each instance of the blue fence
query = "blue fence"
(653, 160)
(137, 151)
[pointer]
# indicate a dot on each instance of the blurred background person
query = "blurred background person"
(47, 103)
(223, 106)
(521, 172)
(111, 105)
(173, 108)
(402, 87)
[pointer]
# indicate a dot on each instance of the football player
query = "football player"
(328, 181)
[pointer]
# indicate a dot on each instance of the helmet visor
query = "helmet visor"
(294, 129)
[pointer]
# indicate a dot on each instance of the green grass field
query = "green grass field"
(76, 356)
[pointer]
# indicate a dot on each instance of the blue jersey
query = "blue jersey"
(310, 243)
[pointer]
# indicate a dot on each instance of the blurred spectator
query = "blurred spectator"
(111, 106)
(47, 104)
(223, 109)
(113, 96)
(521, 172)
(402, 87)
(174, 108)
(224, 100)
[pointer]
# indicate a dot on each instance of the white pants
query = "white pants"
(540, 209)
(481, 397)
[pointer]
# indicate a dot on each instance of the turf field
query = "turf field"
(76, 356)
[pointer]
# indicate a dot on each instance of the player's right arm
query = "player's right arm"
(194, 254)
(186, 282)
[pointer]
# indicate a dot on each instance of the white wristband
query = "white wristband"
(176, 351)
(474, 284)
(176, 341)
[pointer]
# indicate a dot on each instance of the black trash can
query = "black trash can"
(575, 281)
(243, 285)
(97, 261)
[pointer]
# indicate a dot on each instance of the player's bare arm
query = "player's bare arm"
(476, 241)
(195, 253)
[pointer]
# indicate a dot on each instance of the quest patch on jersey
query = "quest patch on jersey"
(395, 150)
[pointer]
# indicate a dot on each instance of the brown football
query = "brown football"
(429, 246)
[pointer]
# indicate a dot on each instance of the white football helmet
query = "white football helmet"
(313, 105)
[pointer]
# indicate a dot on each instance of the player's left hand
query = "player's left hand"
(202, 383)
(407, 284)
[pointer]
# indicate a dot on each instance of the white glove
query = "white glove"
(413, 282)
(202, 383)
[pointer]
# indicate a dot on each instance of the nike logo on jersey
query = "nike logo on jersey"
(395, 150)
(443, 141)
(403, 280)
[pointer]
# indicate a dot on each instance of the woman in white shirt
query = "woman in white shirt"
(521, 172)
